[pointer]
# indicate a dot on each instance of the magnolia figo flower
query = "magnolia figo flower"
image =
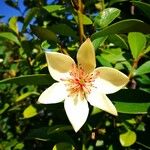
(81, 83)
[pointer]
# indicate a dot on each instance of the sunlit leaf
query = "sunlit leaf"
(19, 146)
(137, 43)
(10, 36)
(52, 8)
(86, 20)
(25, 95)
(113, 55)
(13, 24)
(128, 138)
(106, 17)
(29, 112)
(63, 146)
(143, 69)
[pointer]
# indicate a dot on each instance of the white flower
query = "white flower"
(82, 83)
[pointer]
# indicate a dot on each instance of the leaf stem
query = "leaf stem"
(134, 66)
(80, 20)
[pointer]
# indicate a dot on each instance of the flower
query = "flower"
(81, 84)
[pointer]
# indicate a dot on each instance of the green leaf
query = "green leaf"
(106, 17)
(143, 69)
(117, 40)
(36, 79)
(13, 24)
(19, 146)
(147, 49)
(99, 41)
(53, 8)
(25, 95)
(10, 36)
(137, 42)
(86, 20)
(47, 134)
(124, 26)
(63, 146)
(63, 29)
(145, 7)
(131, 101)
(144, 79)
(44, 34)
(112, 55)
(30, 15)
(112, 2)
(29, 112)
(4, 108)
(128, 138)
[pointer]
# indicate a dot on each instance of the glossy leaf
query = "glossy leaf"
(131, 101)
(143, 69)
(44, 34)
(137, 43)
(128, 138)
(106, 17)
(10, 36)
(124, 26)
(29, 112)
(37, 79)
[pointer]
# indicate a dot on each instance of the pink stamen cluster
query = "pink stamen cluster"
(79, 82)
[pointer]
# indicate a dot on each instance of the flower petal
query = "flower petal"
(77, 111)
(86, 56)
(110, 80)
(58, 64)
(54, 94)
(100, 100)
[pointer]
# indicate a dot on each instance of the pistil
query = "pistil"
(79, 82)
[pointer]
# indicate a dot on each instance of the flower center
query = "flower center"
(79, 82)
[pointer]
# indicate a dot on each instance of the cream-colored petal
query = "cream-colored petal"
(100, 100)
(109, 80)
(77, 111)
(54, 94)
(58, 64)
(86, 56)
